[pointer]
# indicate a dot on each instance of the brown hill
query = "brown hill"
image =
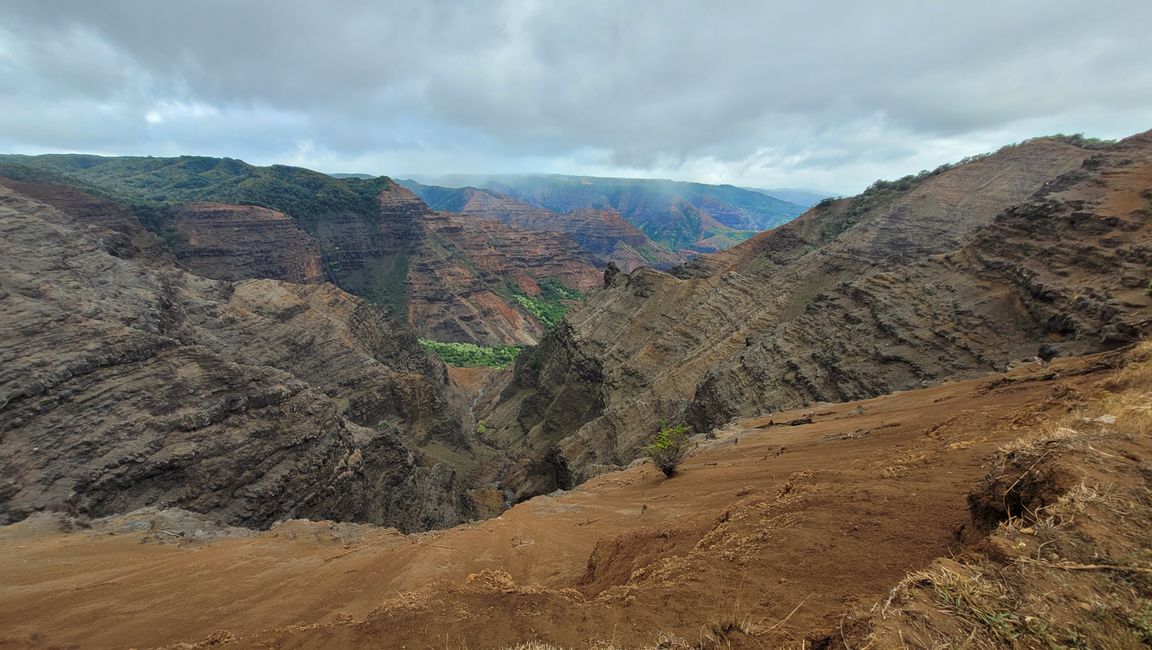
(954, 273)
(771, 536)
(126, 382)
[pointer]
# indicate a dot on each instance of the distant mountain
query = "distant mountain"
(677, 215)
(799, 196)
(453, 278)
(602, 232)
(360, 176)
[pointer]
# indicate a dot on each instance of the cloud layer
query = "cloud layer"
(830, 94)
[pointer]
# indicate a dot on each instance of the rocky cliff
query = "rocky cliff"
(233, 242)
(222, 218)
(463, 278)
(959, 271)
(126, 382)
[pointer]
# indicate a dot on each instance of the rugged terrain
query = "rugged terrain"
(126, 382)
(453, 278)
(678, 216)
(947, 274)
(1010, 509)
(600, 231)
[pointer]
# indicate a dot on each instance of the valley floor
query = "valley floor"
(772, 535)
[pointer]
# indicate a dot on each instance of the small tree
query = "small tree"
(668, 447)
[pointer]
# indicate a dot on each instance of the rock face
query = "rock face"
(126, 382)
(959, 272)
(233, 242)
(457, 280)
(463, 277)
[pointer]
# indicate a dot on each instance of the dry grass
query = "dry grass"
(1074, 570)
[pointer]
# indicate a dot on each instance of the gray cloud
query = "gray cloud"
(833, 94)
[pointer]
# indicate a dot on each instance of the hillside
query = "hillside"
(128, 383)
(679, 216)
(607, 236)
(451, 280)
(1005, 507)
(944, 275)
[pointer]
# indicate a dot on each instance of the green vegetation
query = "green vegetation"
(481, 428)
(668, 447)
(550, 305)
(318, 202)
(471, 355)
(1079, 140)
(300, 193)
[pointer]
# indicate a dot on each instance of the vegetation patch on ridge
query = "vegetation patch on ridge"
(471, 355)
(551, 304)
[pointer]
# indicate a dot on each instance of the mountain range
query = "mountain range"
(679, 216)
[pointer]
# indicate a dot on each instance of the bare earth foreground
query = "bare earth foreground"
(773, 535)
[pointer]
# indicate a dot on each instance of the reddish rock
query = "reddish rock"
(233, 242)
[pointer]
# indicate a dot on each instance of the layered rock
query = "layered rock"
(463, 278)
(600, 231)
(955, 273)
(233, 242)
(126, 383)
(120, 227)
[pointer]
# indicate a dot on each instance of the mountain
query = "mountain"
(677, 215)
(941, 275)
(128, 382)
(802, 197)
(451, 278)
(601, 232)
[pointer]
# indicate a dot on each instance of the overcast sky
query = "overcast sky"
(825, 94)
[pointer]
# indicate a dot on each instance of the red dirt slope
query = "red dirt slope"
(771, 527)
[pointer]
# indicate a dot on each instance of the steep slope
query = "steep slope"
(463, 279)
(126, 382)
(455, 280)
(601, 232)
(233, 242)
(691, 217)
(951, 273)
(772, 536)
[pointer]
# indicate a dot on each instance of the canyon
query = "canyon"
(208, 365)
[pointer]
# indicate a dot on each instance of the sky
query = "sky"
(829, 94)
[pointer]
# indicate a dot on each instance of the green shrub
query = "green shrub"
(550, 305)
(668, 447)
(469, 354)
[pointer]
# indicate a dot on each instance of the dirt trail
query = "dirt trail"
(786, 527)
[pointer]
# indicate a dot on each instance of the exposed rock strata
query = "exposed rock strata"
(602, 232)
(127, 383)
(958, 273)
(233, 242)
